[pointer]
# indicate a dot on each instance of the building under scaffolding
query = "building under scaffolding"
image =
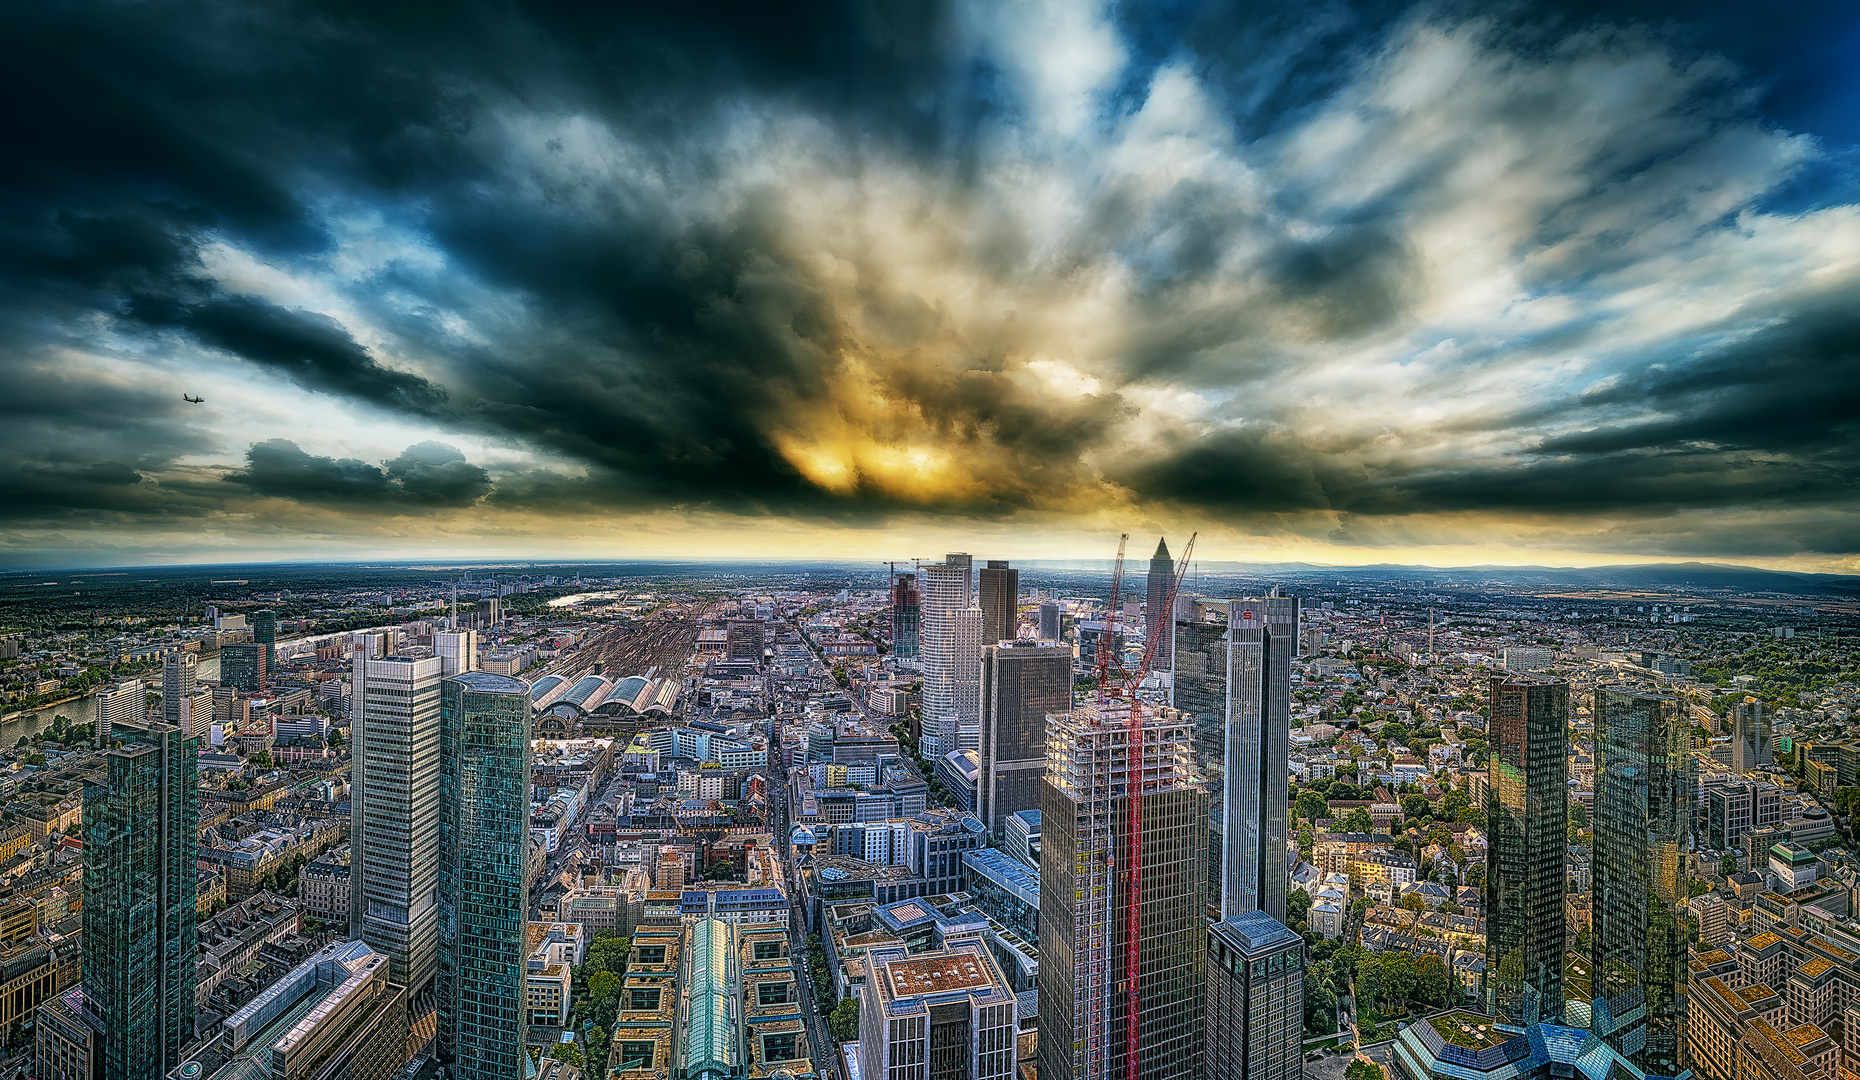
(1085, 888)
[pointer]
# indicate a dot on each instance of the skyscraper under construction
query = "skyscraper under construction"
(1085, 895)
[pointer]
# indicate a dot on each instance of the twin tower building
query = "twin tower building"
(439, 809)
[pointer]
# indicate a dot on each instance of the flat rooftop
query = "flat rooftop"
(935, 975)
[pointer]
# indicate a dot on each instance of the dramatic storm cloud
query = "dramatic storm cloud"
(1361, 283)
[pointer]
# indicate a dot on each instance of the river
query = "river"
(80, 710)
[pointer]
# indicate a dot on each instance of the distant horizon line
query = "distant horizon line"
(468, 563)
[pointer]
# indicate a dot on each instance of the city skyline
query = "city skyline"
(1391, 283)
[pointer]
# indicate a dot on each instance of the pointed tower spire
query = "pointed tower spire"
(1162, 549)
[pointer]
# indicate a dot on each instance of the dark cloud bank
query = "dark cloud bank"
(663, 352)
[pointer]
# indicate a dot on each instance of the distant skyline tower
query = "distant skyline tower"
(1084, 875)
(1158, 613)
(1750, 736)
(907, 613)
(1050, 620)
(999, 598)
(242, 666)
(1022, 683)
(947, 695)
(141, 816)
(265, 634)
(1527, 813)
(180, 677)
(123, 703)
(1643, 835)
(483, 897)
(394, 812)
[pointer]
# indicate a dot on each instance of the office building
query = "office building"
(1199, 688)
(944, 1014)
(1527, 813)
(123, 703)
(457, 651)
(1255, 1014)
(179, 680)
(1750, 736)
(998, 595)
(141, 816)
(1262, 643)
(1158, 609)
(1020, 837)
(242, 666)
(1085, 891)
(949, 653)
(490, 612)
(1736, 809)
(743, 641)
(1255, 965)
(483, 899)
(265, 635)
(1051, 625)
(907, 614)
(334, 1015)
(1526, 660)
(1023, 682)
(1643, 837)
(394, 812)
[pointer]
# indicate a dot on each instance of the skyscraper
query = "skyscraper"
(265, 634)
(1255, 1014)
(483, 897)
(1643, 833)
(952, 678)
(140, 836)
(394, 812)
(1527, 811)
(999, 591)
(1085, 876)
(1158, 612)
(1255, 965)
(457, 651)
(1199, 688)
(1750, 736)
(961, 729)
(1050, 628)
(907, 614)
(1022, 682)
(1263, 642)
(946, 1014)
(242, 666)
(123, 703)
(179, 679)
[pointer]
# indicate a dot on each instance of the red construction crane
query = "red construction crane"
(1125, 690)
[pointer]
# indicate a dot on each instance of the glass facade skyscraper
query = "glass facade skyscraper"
(483, 897)
(907, 610)
(1527, 812)
(141, 817)
(998, 595)
(265, 635)
(1643, 833)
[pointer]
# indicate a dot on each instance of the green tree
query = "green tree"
(1320, 1004)
(1358, 820)
(603, 986)
(1728, 866)
(1360, 1069)
(1412, 902)
(1297, 907)
(1398, 978)
(597, 1044)
(843, 1022)
(1415, 805)
(1311, 805)
(567, 1052)
(1431, 981)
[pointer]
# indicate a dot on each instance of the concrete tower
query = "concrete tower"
(394, 812)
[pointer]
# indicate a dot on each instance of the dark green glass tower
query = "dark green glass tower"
(265, 635)
(1527, 809)
(141, 815)
(483, 897)
(1643, 831)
